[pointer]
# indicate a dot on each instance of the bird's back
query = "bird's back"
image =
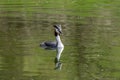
(49, 45)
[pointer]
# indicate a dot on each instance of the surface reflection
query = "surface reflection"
(90, 35)
(58, 64)
(11, 50)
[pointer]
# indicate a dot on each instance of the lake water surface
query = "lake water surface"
(91, 36)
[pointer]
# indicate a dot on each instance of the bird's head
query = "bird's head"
(58, 29)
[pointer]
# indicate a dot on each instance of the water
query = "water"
(90, 34)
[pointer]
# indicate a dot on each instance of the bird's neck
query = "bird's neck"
(57, 36)
(58, 39)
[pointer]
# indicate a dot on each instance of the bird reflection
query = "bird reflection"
(58, 64)
(56, 45)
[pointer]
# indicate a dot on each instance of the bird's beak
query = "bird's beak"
(60, 32)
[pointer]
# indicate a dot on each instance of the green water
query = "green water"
(91, 35)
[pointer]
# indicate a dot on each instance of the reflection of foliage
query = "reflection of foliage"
(90, 35)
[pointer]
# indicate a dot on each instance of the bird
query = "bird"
(55, 45)
(52, 45)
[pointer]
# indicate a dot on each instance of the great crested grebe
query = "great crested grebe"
(55, 45)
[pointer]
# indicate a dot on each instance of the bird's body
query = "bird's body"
(52, 45)
(49, 45)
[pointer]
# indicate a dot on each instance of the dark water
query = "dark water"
(91, 41)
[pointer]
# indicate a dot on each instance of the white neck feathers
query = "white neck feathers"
(58, 39)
